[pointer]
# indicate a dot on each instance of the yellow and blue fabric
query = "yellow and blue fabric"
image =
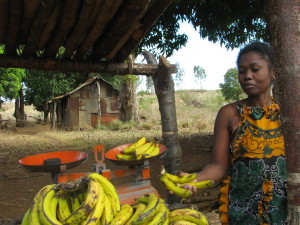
(255, 190)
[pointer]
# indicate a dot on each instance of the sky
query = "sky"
(213, 58)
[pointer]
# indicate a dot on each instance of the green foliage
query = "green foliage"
(2, 49)
(42, 86)
(200, 74)
(231, 89)
(113, 80)
(231, 23)
(11, 82)
(119, 125)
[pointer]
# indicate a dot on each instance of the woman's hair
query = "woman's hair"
(262, 48)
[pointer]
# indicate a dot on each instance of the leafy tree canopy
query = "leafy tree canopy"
(231, 23)
(11, 82)
(231, 89)
(42, 86)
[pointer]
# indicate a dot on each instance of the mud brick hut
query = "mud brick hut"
(85, 107)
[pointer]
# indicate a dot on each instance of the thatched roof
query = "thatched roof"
(43, 34)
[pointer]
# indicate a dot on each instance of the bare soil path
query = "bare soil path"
(18, 186)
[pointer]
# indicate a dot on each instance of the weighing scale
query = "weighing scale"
(57, 164)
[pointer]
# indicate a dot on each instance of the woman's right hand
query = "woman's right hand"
(191, 188)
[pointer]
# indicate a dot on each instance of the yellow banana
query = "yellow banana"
(123, 215)
(182, 222)
(109, 189)
(95, 215)
(179, 180)
(113, 203)
(107, 214)
(129, 149)
(166, 222)
(87, 206)
(26, 217)
(187, 214)
(151, 151)
(161, 214)
(200, 184)
(183, 193)
(35, 214)
(138, 152)
(49, 203)
(126, 157)
(137, 209)
(150, 210)
(63, 211)
(34, 217)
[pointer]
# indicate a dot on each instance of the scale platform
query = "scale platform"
(58, 162)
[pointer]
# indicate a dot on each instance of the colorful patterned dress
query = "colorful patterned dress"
(255, 189)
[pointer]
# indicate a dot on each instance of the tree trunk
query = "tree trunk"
(164, 89)
(46, 112)
(284, 23)
(20, 110)
(128, 99)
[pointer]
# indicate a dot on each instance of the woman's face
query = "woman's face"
(254, 74)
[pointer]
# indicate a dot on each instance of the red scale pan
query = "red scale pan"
(53, 162)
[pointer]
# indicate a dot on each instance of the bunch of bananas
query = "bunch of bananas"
(187, 216)
(149, 210)
(88, 200)
(139, 150)
(175, 183)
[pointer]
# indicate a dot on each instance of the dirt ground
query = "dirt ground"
(19, 186)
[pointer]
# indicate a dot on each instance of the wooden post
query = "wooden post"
(99, 102)
(164, 89)
(284, 23)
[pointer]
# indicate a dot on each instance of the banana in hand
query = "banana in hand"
(175, 183)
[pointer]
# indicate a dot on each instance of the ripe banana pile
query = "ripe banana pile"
(187, 216)
(139, 150)
(175, 183)
(89, 200)
(146, 210)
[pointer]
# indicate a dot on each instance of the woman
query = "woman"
(249, 141)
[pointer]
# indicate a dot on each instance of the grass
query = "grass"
(196, 112)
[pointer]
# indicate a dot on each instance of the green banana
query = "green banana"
(137, 209)
(129, 149)
(161, 214)
(187, 214)
(26, 217)
(150, 210)
(95, 215)
(109, 189)
(123, 215)
(87, 206)
(200, 184)
(183, 193)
